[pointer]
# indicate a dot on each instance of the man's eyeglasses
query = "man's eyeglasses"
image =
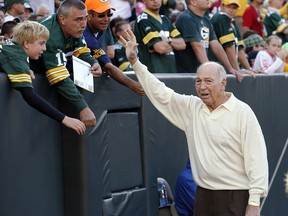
(102, 15)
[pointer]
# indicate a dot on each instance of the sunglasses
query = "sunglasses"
(102, 15)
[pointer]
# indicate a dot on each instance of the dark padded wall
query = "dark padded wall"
(49, 170)
(31, 181)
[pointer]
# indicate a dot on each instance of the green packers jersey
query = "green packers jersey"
(120, 60)
(148, 30)
(227, 32)
(275, 24)
(193, 28)
(59, 50)
(53, 62)
(14, 62)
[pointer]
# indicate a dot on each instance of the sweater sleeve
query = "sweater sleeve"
(172, 105)
(38, 103)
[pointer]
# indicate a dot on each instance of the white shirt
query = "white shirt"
(226, 147)
(264, 61)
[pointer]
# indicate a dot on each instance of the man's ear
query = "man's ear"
(62, 19)
(224, 82)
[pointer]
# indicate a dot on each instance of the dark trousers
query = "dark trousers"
(220, 202)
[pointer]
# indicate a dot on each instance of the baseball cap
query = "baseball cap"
(254, 40)
(99, 6)
(9, 3)
(228, 2)
(28, 6)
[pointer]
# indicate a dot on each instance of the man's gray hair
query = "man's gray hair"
(65, 6)
(214, 66)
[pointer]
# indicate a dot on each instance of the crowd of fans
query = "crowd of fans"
(251, 19)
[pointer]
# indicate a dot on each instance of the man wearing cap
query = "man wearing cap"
(99, 13)
(228, 34)
(14, 8)
(28, 11)
(66, 29)
(197, 31)
(254, 42)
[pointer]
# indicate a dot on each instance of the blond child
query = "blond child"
(29, 40)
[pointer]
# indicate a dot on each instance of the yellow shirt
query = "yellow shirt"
(284, 11)
(243, 5)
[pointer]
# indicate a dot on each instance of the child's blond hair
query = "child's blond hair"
(29, 31)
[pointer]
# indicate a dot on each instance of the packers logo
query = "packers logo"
(204, 33)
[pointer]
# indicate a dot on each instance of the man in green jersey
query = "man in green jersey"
(274, 22)
(198, 33)
(29, 40)
(228, 34)
(157, 39)
(66, 29)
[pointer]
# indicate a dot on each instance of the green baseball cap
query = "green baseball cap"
(9, 3)
(254, 40)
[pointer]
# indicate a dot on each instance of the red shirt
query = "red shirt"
(252, 19)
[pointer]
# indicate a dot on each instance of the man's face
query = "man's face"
(210, 87)
(153, 5)
(230, 10)
(99, 21)
(201, 4)
(75, 23)
(20, 8)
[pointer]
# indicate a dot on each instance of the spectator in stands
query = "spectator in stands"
(284, 10)
(2, 12)
(224, 138)
(120, 60)
(251, 56)
(157, 39)
(123, 8)
(8, 28)
(254, 42)
(15, 9)
(27, 12)
(66, 29)
(99, 13)
(274, 22)
(167, 6)
(185, 191)
(30, 41)
(107, 43)
(42, 10)
(239, 14)
(229, 36)
(197, 31)
(49, 3)
(252, 18)
(113, 24)
(268, 59)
